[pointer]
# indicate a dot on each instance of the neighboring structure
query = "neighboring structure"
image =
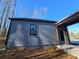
(63, 35)
(26, 32)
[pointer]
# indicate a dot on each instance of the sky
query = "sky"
(46, 9)
(74, 28)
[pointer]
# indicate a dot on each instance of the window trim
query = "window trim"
(36, 32)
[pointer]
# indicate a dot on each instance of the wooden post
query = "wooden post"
(67, 34)
(58, 35)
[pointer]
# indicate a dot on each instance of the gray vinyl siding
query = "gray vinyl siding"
(46, 34)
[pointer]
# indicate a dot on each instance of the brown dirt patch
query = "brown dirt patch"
(30, 54)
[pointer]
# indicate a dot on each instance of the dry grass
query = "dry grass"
(47, 53)
(2, 41)
(15, 53)
(29, 54)
(2, 38)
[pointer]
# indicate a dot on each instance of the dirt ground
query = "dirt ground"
(33, 54)
(28, 53)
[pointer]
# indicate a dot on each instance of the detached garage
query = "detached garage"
(31, 33)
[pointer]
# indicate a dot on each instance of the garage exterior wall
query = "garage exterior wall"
(19, 34)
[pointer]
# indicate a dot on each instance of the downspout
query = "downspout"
(10, 24)
(5, 45)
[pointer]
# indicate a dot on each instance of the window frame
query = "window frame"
(30, 30)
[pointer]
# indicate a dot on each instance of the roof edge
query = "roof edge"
(67, 17)
(33, 19)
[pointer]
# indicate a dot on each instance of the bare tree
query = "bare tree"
(14, 7)
(1, 29)
(6, 12)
